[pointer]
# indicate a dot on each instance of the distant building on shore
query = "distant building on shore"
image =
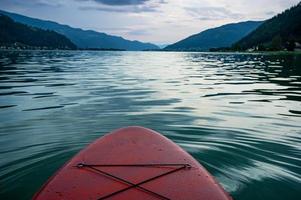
(298, 46)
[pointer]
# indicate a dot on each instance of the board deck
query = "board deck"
(132, 163)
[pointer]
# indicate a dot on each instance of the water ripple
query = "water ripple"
(237, 114)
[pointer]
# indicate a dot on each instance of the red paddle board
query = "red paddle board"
(134, 164)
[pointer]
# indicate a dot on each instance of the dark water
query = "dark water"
(238, 115)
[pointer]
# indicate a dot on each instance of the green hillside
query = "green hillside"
(281, 32)
(17, 35)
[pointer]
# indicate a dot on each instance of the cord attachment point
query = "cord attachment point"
(188, 166)
(80, 165)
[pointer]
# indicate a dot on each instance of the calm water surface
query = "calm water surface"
(238, 115)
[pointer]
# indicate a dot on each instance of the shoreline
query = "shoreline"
(204, 52)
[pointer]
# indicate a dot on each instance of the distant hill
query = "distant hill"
(162, 46)
(83, 38)
(223, 36)
(282, 31)
(17, 35)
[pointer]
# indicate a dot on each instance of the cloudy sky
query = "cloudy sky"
(157, 21)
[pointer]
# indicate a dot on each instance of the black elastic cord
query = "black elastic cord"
(129, 183)
(135, 185)
(136, 165)
(132, 185)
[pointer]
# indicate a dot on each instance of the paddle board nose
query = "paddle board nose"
(132, 163)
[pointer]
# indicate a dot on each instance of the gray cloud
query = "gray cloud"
(133, 9)
(118, 3)
(270, 13)
(212, 13)
(121, 2)
(139, 32)
(134, 6)
(36, 3)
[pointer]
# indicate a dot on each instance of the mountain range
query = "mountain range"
(223, 36)
(85, 39)
(282, 32)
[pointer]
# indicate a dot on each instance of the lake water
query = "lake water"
(238, 115)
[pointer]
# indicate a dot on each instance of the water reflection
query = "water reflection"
(238, 114)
